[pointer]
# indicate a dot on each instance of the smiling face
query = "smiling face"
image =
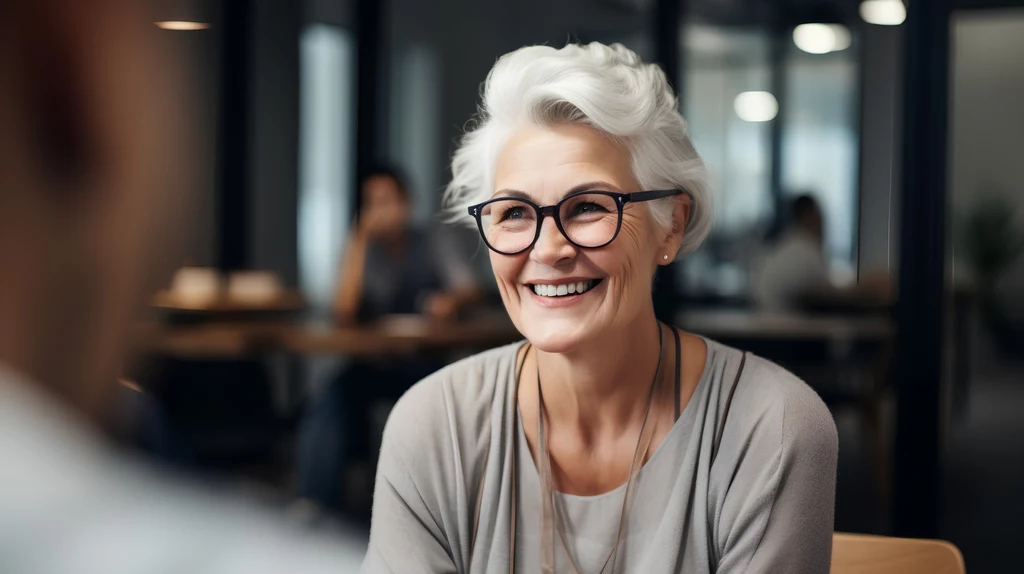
(546, 164)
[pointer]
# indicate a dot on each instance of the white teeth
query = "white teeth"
(563, 289)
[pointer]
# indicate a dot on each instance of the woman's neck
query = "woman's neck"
(604, 388)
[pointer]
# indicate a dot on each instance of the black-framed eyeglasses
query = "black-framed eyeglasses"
(588, 219)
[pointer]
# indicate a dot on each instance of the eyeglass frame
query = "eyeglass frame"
(621, 199)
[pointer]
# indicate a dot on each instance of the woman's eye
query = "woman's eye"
(513, 213)
(588, 207)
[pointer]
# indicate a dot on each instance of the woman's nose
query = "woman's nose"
(552, 247)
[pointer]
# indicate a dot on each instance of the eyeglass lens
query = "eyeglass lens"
(588, 220)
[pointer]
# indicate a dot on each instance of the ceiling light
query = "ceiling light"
(756, 106)
(883, 12)
(182, 25)
(821, 38)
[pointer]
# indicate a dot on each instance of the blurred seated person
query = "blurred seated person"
(795, 272)
(390, 267)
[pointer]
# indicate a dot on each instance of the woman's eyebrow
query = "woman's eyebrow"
(589, 186)
(592, 186)
(511, 193)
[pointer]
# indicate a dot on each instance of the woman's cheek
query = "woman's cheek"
(506, 273)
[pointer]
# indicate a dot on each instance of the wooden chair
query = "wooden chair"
(862, 554)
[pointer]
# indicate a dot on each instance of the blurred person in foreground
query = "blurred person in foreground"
(795, 272)
(90, 178)
(607, 441)
(390, 267)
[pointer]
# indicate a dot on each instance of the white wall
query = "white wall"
(987, 118)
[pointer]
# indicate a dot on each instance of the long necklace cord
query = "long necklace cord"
(548, 510)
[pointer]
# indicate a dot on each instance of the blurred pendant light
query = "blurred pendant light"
(821, 38)
(182, 15)
(883, 12)
(182, 25)
(756, 106)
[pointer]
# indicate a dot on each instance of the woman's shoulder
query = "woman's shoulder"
(468, 384)
(770, 400)
(455, 404)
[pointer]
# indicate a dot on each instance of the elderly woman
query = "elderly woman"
(607, 441)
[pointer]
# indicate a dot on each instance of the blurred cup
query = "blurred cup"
(253, 287)
(195, 286)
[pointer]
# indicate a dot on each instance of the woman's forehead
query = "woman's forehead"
(548, 163)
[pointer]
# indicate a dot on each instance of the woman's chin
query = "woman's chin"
(557, 336)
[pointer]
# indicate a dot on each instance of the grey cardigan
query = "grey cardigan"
(755, 494)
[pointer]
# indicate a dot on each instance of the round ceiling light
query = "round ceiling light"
(756, 106)
(821, 38)
(883, 12)
(182, 25)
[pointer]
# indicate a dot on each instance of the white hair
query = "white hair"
(606, 87)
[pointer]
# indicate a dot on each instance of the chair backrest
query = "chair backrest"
(862, 554)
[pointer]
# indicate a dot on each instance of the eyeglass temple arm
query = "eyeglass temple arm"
(656, 194)
(659, 194)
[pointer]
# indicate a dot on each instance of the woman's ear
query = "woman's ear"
(681, 209)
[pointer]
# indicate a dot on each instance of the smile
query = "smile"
(564, 289)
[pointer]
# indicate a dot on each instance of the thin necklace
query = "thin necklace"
(548, 523)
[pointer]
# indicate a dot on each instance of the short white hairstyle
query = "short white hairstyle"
(606, 87)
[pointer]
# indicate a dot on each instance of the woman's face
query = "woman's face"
(546, 164)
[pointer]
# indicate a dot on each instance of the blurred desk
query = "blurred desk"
(285, 301)
(224, 339)
(400, 338)
(758, 325)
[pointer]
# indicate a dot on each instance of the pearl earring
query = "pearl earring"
(666, 257)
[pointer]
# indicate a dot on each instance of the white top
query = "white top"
(68, 504)
(793, 267)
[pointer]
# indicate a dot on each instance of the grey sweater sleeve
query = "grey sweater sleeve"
(429, 469)
(778, 505)
(407, 533)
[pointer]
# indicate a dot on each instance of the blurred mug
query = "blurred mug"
(253, 287)
(196, 286)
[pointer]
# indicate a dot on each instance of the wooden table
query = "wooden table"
(285, 301)
(227, 339)
(400, 339)
(222, 339)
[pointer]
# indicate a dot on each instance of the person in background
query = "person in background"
(795, 266)
(390, 267)
(91, 182)
(795, 270)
